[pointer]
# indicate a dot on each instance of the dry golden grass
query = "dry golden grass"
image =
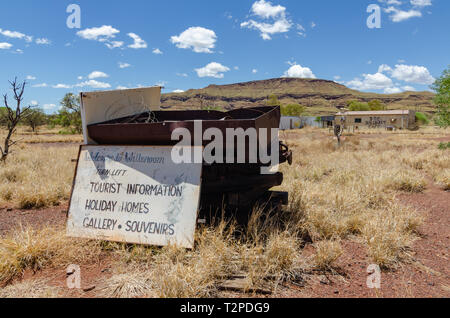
(40, 139)
(43, 135)
(351, 190)
(131, 282)
(173, 272)
(38, 288)
(34, 177)
(29, 248)
(335, 194)
(327, 253)
(424, 131)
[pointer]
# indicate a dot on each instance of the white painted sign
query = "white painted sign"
(134, 194)
(98, 107)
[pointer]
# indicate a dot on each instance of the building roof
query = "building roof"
(375, 113)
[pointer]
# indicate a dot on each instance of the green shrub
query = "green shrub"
(442, 99)
(422, 118)
(355, 106)
(292, 110)
(376, 105)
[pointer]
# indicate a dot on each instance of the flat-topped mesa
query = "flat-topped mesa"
(319, 95)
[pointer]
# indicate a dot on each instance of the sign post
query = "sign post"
(134, 194)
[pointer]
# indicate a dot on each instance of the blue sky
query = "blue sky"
(191, 44)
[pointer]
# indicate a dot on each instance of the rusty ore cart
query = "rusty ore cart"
(235, 188)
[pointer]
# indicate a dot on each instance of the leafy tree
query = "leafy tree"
(35, 117)
(355, 106)
(294, 110)
(376, 105)
(273, 101)
(422, 118)
(3, 121)
(442, 99)
(70, 113)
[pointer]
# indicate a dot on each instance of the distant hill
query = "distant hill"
(319, 96)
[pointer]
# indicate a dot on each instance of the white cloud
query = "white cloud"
(299, 71)
(34, 103)
(49, 106)
(413, 74)
(178, 91)
(30, 78)
(408, 88)
(213, 69)
(421, 3)
(161, 83)
(97, 74)
(114, 44)
(301, 30)
(371, 82)
(104, 34)
(138, 42)
(16, 35)
(80, 78)
(182, 74)
(199, 39)
(12, 34)
(40, 85)
(391, 2)
(337, 77)
(384, 68)
(265, 10)
(93, 84)
(65, 86)
(121, 87)
(101, 34)
(157, 51)
(392, 90)
(398, 15)
(5, 46)
(90, 83)
(313, 25)
(254, 71)
(43, 41)
(124, 65)
(267, 29)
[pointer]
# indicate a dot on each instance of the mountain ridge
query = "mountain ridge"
(320, 96)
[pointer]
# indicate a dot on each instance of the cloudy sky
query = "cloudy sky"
(191, 44)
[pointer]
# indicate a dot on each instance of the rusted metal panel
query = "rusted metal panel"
(134, 194)
(136, 130)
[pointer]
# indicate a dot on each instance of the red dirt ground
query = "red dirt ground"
(427, 275)
(11, 218)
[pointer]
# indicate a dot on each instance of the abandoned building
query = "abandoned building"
(290, 122)
(389, 119)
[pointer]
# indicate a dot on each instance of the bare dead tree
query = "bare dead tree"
(12, 116)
